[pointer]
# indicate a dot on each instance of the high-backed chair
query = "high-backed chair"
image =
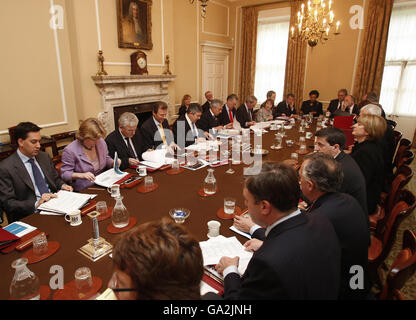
(386, 231)
(404, 145)
(345, 123)
(397, 137)
(402, 177)
(402, 269)
(391, 123)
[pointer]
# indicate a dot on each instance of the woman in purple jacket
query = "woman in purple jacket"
(87, 156)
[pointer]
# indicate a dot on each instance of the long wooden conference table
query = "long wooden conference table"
(174, 191)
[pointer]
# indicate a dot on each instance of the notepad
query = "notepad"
(19, 229)
(65, 202)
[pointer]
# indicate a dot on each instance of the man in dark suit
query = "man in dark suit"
(227, 114)
(300, 256)
(348, 108)
(331, 141)
(338, 103)
(155, 131)
(207, 104)
(28, 177)
(286, 108)
(126, 141)
(245, 113)
(209, 118)
(185, 129)
(320, 178)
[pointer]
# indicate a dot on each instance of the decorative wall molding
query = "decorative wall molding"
(228, 22)
(206, 43)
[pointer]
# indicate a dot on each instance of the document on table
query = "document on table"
(65, 202)
(205, 288)
(215, 248)
(244, 234)
(111, 176)
(19, 229)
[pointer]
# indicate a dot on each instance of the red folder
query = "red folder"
(7, 238)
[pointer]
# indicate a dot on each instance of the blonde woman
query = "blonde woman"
(87, 156)
(265, 113)
(186, 101)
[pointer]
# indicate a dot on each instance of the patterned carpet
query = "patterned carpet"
(409, 289)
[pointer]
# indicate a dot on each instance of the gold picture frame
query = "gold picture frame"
(134, 23)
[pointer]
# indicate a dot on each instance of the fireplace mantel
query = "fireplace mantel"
(125, 90)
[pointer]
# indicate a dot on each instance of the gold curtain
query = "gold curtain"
(295, 61)
(373, 48)
(248, 52)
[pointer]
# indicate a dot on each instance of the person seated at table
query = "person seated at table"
(155, 130)
(126, 141)
(348, 108)
(312, 106)
(186, 101)
(158, 260)
(336, 104)
(227, 114)
(368, 154)
(320, 179)
(245, 113)
(87, 156)
(387, 144)
(372, 98)
(265, 112)
(28, 176)
(300, 256)
(185, 129)
(209, 118)
(286, 108)
(209, 96)
(270, 95)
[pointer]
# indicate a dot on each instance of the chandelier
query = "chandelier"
(315, 21)
(204, 4)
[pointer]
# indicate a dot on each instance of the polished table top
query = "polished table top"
(174, 191)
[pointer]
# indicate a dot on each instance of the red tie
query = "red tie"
(231, 115)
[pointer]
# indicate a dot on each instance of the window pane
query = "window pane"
(272, 40)
(405, 104)
(389, 86)
(401, 44)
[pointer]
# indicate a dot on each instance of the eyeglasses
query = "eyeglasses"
(114, 285)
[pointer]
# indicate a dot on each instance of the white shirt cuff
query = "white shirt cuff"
(254, 228)
(229, 270)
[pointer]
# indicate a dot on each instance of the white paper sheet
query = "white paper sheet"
(244, 234)
(65, 202)
(109, 177)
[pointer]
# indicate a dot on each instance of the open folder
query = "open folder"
(111, 176)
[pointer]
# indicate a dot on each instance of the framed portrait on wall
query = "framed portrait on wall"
(134, 23)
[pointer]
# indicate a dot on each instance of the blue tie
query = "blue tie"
(39, 181)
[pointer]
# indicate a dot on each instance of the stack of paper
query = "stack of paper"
(156, 158)
(111, 176)
(65, 202)
(216, 248)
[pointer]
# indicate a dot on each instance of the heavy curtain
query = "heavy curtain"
(248, 52)
(373, 48)
(295, 61)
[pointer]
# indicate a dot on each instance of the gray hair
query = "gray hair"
(194, 108)
(325, 172)
(132, 4)
(371, 109)
(352, 97)
(216, 103)
(128, 119)
(251, 99)
(372, 96)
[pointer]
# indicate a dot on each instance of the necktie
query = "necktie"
(131, 151)
(39, 180)
(231, 116)
(162, 133)
(194, 130)
(249, 114)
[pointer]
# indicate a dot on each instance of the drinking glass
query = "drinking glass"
(101, 207)
(148, 183)
(229, 205)
(83, 281)
(294, 156)
(40, 245)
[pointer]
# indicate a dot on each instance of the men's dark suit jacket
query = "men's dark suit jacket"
(243, 116)
(350, 224)
(207, 121)
(354, 182)
(189, 138)
(206, 106)
(281, 108)
(369, 157)
(224, 117)
(17, 193)
(299, 259)
(388, 145)
(151, 136)
(316, 106)
(333, 105)
(116, 143)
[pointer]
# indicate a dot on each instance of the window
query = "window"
(272, 38)
(399, 79)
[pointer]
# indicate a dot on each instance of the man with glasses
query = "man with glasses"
(126, 141)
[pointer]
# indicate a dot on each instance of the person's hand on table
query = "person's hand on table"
(229, 126)
(45, 198)
(251, 123)
(253, 245)
(66, 187)
(87, 176)
(208, 135)
(225, 262)
(269, 118)
(133, 162)
(283, 115)
(243, 223)
(303, 206)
